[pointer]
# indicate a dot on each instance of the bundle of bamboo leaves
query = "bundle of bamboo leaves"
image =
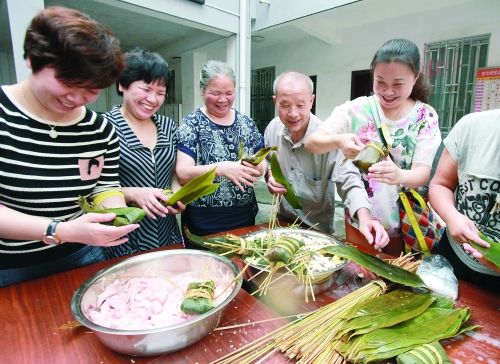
(197, 187)
(366, 325)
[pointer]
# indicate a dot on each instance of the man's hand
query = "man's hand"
(372, 230)
(274, 187)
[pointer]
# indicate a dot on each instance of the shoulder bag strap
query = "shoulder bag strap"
(411, 217)
(383, 132)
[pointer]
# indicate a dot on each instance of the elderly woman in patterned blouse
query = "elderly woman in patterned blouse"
(209, 138)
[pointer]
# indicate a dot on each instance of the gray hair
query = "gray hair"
(213, 69)
(294, 76)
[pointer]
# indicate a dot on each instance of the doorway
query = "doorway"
(361, 83)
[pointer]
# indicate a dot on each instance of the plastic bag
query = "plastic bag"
(437, 273)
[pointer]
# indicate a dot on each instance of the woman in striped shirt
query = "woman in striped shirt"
(53, 150)
(148, 145)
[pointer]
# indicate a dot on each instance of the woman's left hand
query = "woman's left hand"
(387, 172)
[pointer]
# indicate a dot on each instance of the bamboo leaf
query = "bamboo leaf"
(433, 325)
(258, 157)
(376, 265)
(386, 310)
(194, 189)
(124, 215)
(228, 244)
(424, 354)
(492, 253)
(198, 298)
(200, 192)
(290, 195)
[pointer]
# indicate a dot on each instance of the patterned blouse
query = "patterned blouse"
(143, 167)
(415, 139)
(207, 142)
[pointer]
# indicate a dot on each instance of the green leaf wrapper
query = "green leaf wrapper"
(124, 215)
(492, 253)
(197, 187)
(290, 194)
(372, 153)
(376, 265)
(258, 157)
(425, 354)
(283, 250)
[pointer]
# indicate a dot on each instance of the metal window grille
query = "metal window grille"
(261, 102)
(450, 66)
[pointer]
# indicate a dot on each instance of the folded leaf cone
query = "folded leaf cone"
(283, 249)
(199, 186)
(372, 153)
(198, 298)
(256, 158)
(124, 215)
(228, 244)
(278, 175)
(376, 265)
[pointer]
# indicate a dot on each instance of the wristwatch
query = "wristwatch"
(50, 236)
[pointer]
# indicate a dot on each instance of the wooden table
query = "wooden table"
(32, 312)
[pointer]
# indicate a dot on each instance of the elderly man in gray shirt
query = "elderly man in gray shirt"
(311, 175)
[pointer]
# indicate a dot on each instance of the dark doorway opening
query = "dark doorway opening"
(361, 83)
(314, 80)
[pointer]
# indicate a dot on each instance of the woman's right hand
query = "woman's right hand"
(149, 199)
(351, 145)
(463, 230)
(239, 174)
(89, 229)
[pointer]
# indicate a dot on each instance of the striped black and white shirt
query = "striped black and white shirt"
(44, 176)
(143, 167)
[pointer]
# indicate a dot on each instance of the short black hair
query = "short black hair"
(143, 65)
(82, 52)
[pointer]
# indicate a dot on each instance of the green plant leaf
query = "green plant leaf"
(197, 187)
(124, 215)
(258, 157)
(386, 310)
(376, 265)
(290, 194)
(492, 253)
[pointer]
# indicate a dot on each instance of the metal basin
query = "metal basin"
(166, 339)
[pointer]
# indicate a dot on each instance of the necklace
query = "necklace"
(52, 132)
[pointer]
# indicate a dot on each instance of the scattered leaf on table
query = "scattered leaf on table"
(376, 265)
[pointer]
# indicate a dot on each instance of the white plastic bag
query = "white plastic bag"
(437, 274)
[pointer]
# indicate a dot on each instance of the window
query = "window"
(261, 102)
(450, 67)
